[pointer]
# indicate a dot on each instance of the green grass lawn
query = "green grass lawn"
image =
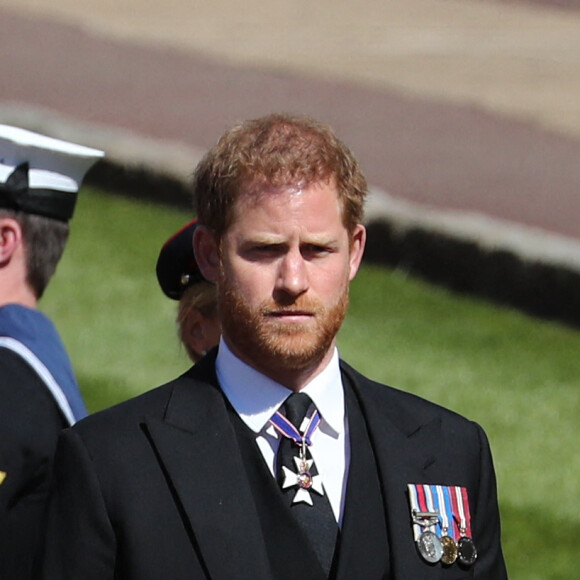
(517, 376)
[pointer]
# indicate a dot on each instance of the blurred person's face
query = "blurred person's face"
(212, 333)
(199, 333)
(286, 264)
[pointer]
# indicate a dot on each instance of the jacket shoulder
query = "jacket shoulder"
(403, 408)
(133, 411)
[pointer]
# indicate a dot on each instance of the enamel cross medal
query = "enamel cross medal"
(302, 478)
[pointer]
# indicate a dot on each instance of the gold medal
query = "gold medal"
(450, 550)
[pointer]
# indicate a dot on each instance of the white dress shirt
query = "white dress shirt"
(256, 398)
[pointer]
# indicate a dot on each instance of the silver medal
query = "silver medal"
(430, 547)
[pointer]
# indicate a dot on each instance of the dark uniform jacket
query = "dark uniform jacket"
(163, 486)
(36, 380)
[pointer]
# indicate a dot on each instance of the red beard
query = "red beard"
(269, 343)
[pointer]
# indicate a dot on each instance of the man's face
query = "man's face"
(286, 264)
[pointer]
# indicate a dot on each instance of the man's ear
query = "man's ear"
(206, 253)
(10, 238)
(357, 248)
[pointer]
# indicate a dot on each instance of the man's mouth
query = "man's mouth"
(290, 314)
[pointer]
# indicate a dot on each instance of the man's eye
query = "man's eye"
(263, 251)
(267, 249)
(315, 250)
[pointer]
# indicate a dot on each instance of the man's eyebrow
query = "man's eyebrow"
(263, 240)
(321, 240)
(274, 240)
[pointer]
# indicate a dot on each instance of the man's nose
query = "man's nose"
(292, 274)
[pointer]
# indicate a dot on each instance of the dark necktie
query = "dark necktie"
(317, 520)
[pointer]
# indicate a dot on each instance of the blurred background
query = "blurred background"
(465, 115)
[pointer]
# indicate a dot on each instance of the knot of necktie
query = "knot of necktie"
(296, 407)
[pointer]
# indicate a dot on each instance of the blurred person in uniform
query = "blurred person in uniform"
(39, 396)
(180, 279)
(272, 458)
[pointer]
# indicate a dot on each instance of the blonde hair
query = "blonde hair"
(201, 296)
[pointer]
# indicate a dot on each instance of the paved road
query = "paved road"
(468, 105)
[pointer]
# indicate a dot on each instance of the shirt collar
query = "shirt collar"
(256, 397)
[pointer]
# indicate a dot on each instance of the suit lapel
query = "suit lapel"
(363, 545)
(196, 446)
(405, 449)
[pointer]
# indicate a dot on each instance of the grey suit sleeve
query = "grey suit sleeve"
(490, 563)
(79, 538)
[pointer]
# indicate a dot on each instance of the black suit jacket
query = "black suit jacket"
(30, 423)
(155, 487)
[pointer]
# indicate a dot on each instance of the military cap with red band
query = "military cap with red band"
(176, 266)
